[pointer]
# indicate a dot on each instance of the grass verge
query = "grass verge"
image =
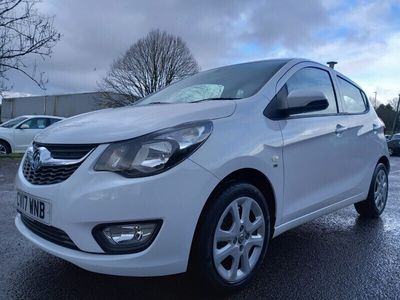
(14, 156)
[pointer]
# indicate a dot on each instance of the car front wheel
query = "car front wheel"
(375, 203)
(233, 238)
(4, 148)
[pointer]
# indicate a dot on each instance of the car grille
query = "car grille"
(67, 151)
(49, 233)
(47, 175)
(52, 174)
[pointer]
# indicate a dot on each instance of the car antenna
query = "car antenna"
(331, 64)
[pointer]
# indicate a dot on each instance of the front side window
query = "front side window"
(36, 123)
(312, 79)
(353, 100)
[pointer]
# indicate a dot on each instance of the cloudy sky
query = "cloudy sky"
(363, 36)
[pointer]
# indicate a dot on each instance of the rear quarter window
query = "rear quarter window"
(52, 121)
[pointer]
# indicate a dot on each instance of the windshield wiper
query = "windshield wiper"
(220, 98)
(159, 102)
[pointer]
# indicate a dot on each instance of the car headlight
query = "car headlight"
(154, 153)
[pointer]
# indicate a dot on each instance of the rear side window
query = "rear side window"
(353, 100)
(313, 79)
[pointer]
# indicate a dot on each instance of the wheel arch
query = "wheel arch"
(384, 160)
(248, 175)
(7, 143)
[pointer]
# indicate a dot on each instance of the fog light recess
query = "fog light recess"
(119, 238)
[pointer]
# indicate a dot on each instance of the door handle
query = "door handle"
(340, 129)
(375, 128)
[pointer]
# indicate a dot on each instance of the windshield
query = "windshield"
(13, 122)
(231, 82)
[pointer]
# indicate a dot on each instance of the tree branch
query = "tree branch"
(24, 33)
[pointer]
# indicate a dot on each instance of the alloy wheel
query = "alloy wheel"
(380, 190)
(3, 149)
(239, 239)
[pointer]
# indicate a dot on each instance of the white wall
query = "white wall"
(57, 105)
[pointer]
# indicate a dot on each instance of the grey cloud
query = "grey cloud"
(97, 31)
(289, 22)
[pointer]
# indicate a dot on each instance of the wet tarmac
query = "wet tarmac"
(338, 256)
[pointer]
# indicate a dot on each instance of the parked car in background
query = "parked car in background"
(202, 174)
(16, 134)
(394, 144)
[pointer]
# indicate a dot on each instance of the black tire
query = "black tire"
(4, 148)
(202, 265)
(390, 151)
(369, 207)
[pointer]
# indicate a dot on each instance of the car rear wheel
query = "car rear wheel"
(232, 239)
(4, 148)
(375, 203)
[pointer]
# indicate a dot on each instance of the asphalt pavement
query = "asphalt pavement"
(338, 256)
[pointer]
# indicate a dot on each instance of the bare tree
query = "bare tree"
(393, 102)
(24, 32)
(153, 62)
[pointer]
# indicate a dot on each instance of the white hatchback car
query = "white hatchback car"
(202, 174)
(17, 134)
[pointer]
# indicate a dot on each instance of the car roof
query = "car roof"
(39, 116)
(291, 62)
(294, 61)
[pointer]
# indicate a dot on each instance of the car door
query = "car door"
(25, 132)
(366, 133)
(314, 151)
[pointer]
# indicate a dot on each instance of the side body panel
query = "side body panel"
(23, 137)
(367, 146)
(316, 168)
(253, 142)
(349, 161)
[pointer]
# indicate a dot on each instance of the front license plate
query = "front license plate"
(34, 207)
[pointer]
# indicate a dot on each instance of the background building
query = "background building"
(57, 105)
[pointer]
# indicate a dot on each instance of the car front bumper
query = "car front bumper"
(89, 198)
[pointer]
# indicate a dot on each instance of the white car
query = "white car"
(201, 175)
(17, 134)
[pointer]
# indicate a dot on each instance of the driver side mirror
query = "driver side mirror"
(24, 126)
(303, 101)
(296, 102)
